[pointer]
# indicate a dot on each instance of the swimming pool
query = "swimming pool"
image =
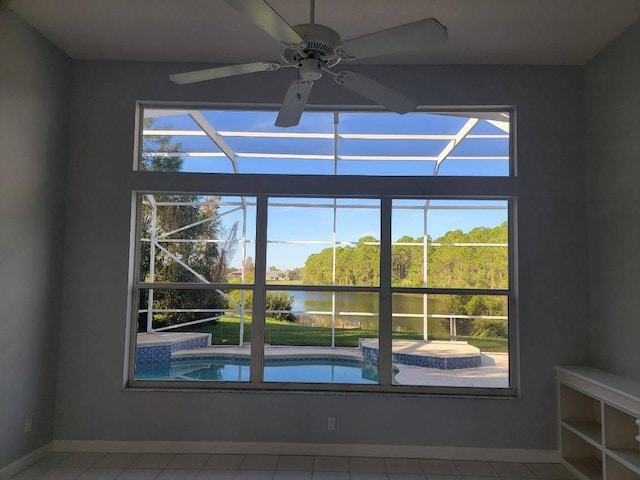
(289, 369)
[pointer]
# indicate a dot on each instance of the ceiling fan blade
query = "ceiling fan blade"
(405, 38)
(265, 17)
(293, 104)
(381, 94)
(221, 72)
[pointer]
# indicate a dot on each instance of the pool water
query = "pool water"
(326, 370)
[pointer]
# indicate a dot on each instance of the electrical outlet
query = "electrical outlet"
(331, 423)
(28, 422)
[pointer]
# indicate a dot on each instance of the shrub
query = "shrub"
(490, 329)
(281, 301)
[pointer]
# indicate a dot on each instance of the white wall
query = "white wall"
(91, 403)
(34, 96)
(613, 148)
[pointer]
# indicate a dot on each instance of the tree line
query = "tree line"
(449, 264)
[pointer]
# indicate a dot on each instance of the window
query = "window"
(359, 251)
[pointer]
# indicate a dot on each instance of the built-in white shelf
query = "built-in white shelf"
(599, 424)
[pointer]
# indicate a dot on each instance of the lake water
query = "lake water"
(351, 304)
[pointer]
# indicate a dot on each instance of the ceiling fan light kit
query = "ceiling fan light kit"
(314, 49)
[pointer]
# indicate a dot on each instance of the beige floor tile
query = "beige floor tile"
(82, 460)
(406, 476)
(331, 464)
(139, 474)
(438, 476)
(474, 468)
(318, 475)
(63, 473)
(188, 461)
(254, 475)
(550, 471)
(116, 460)
(368, 476)
(152, 460)
(53, 459)
(101, 474)
(259, 462)
(510, 471)
(440, 467)
(402, 465)
(301, 463)
(366, 465)
(178, 474)
(292, 475)
(216, 475)
(31, 473)
(224, 462)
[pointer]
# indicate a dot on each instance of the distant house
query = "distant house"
(234, 274)
(277, 275)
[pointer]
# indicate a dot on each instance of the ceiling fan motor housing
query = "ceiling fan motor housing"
(320, 44)
(320, 40)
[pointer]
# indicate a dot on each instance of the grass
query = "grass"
(496, 345)
(226, 331)
(285, 282)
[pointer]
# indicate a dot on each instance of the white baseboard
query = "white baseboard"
(274, 448)
(23, 462)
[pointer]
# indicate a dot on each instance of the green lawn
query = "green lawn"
(226, 332)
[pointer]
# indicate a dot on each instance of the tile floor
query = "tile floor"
(124, 466)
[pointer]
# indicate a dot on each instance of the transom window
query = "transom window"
(363, 285)
(327, 143)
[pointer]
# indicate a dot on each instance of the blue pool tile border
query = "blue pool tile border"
(371, 355)
(162, 353)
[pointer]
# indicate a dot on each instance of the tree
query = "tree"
(407, 262)
(366, 262)
(295, 274)
(160, 144)
(359, 265)
(249, 267)
(175, 226)
(282, 302)
(471, 267)
(317, 268)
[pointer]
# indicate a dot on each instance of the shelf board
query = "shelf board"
(617, 391)
(589, 431)
(628, 457)
(591, 468)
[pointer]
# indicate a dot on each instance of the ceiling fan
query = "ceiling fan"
(315, 49)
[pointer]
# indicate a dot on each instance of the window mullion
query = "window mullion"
(259, 300)
(385, 308)
(514, 334)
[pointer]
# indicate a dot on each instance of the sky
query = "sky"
(311, 221)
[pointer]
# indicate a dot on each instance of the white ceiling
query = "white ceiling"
(554, 32)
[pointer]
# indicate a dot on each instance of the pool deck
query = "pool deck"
(436, 348)
(168, 338)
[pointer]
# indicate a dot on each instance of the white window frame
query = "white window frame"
(262, 187)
